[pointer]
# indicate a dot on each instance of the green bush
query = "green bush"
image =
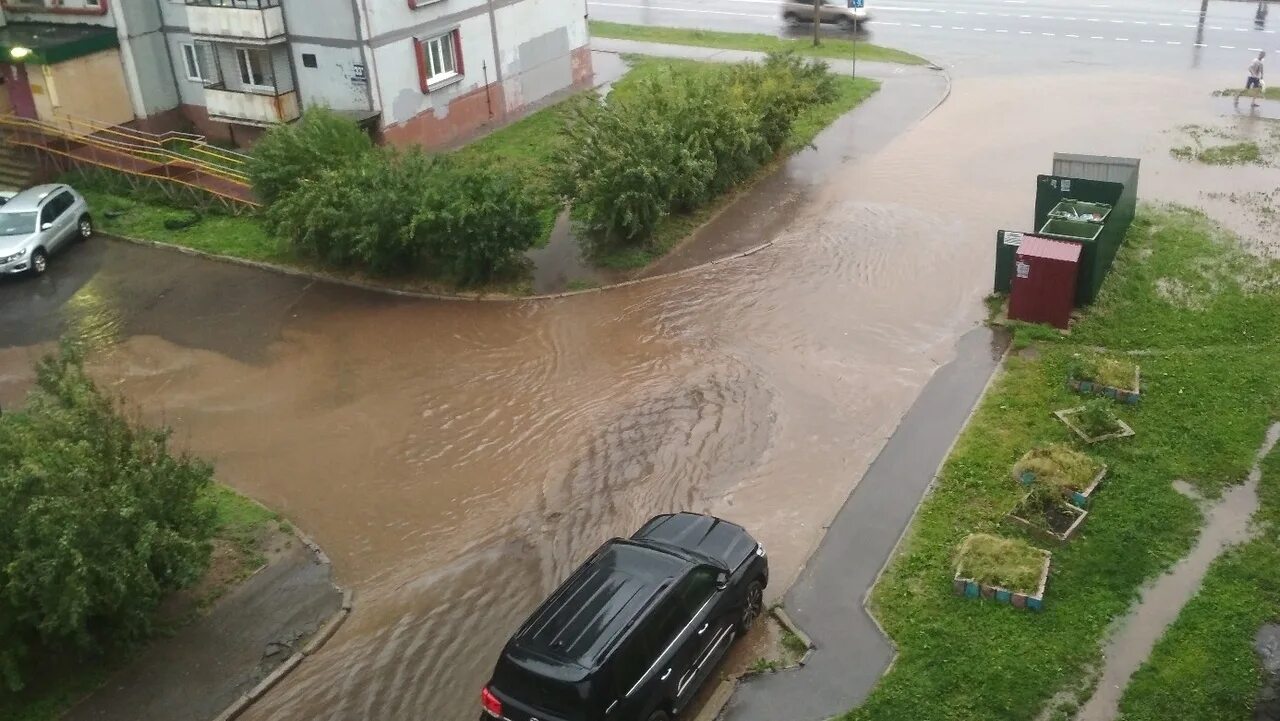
(291, 153)
(673, 142)
(476, 222)
(99, 520)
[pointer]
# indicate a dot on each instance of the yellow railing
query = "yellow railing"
(162, 153)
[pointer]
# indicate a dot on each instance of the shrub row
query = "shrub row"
(675, 141)
(386, 211)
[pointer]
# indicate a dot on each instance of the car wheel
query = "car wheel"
(659, 716)
(85, 227)
(39, 261)
(752, 605)
(791, 18)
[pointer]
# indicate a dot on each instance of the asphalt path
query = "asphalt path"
(1012, 35)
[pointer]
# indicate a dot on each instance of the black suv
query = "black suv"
(633, 633)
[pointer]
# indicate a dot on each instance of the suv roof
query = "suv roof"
(597, 605)
(29, 199)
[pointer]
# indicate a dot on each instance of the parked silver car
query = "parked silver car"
(38, 222)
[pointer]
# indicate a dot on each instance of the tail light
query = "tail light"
(492, 705)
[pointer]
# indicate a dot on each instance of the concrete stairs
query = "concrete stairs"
(16, 166)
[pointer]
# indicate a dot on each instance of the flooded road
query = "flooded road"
(457, 459)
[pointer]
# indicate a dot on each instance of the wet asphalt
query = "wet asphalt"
(827, 599)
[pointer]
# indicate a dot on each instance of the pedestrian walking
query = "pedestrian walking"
(1254, 81)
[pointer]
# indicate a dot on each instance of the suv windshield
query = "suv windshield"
(17, 223)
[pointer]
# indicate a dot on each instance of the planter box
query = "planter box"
(969, 588)
(1065, 416)
(1079, 498)
(1015, 518)
(1124, 395)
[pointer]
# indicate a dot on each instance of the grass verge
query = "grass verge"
(675, 228)
(1213, 371)
(64, 681)
(1268, 94)
(831, 48)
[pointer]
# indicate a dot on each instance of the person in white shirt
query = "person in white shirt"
(1254, 81)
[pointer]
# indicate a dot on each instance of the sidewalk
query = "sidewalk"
(865, 68)
(826, 600)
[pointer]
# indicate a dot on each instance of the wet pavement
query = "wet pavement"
(206, 666)
(826, 600)
(457, 459)
(1226, 524)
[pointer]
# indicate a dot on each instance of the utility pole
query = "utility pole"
(817, 21)
(854, 59)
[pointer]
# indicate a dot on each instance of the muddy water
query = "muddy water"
(458, 459)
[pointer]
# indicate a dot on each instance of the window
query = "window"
(696, 589)
(439, 59)
(191, 61)
(93, 3)
(309, 60)
(254, 67)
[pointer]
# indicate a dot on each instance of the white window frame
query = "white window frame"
(434, 49)
(190, 61)
(243, 63)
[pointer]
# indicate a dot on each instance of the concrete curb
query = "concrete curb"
(422, 295)
(714, 706)
(314, 644)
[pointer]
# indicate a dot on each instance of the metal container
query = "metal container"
(1043, 288)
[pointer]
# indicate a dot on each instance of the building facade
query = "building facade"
(429, 72)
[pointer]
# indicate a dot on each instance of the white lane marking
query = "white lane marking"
(961, 12)
(1047, 35)
(1146, 41)
(1189, 26)
(1255, 50)
(953, 27)
(1215, 27)
(1139, 22)
(936, 27)
(1016, 2)
(1071, 36)
(1172, 42)
(1093, 20)
(979, 30)
(1118, 22)
(982, 14)
(916, 25)
(1123, 40)
(1024, 16)
(1099, 6)
(1096, 37)
(1002, 31)
(1024, 32)
(1201, 45)
(1064, 17)
(1047, 17)
(1227, 47)
(1241, 30)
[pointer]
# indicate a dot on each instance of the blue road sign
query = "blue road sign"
(856, 4)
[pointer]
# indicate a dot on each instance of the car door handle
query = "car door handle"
(664, 676)
(704, 628)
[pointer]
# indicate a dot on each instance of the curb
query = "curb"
(421, 295)
(314, 644)
(715, 705)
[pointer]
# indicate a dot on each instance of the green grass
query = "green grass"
(830, 48)
(1242, 153)
(237, 236)
(675, 228)
(1010, 563)
(65, 681)
(1058, 464)
(1269, 94)
(1212, 377)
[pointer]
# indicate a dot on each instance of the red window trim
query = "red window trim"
(424, 70)
(55, 9)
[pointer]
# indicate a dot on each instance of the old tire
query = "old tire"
(752, 606)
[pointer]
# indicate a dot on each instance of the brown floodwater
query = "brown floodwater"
(458, 459)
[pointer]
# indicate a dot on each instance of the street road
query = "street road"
(984, 34)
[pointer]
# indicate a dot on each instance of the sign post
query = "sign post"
(855, 5)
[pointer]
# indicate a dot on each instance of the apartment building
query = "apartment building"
(431, 72)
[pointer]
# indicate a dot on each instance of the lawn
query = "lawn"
(832, 48)
(1207, 319)
(241, 523)
(675, 228)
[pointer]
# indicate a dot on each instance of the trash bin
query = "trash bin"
(1043, 287)
(1080, 210)
(1071, 229)
(1006, 248)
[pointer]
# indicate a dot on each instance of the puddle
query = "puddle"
(1226, 524)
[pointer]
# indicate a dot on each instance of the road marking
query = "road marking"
(1146, 41)
(936, 27)
(1096, 37)
(1172, 42)
(1024, 16)
(1093, 20)
(1123, 40)
(1047, 17)
(1139, 22)
(982, 13)
(1067, 18)
(1071, 36)
(882, 22)
(1016, 2)
(1118, 22)
(953, 27)
(1201, 45)
(1099, 6)
(1227, 47)
(1047, 35)
(1255, 50)
(1214, 27)
(961, 12)
(916, 25)
(979, 30)
(1002, 31)
(1168, 25)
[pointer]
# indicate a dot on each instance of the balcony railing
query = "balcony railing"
(252, 107)
(258, 21)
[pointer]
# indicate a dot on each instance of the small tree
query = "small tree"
(289, 154)
(98, 520)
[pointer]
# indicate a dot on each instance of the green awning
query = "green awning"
(51, 43)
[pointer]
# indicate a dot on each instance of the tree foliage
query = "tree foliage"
(675, 141)
(293, 152)
(98, 520)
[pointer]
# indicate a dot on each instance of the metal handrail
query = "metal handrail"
(137, 144)
(229, 160)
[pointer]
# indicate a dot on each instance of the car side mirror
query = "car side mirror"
(722, 580)
(46, 226)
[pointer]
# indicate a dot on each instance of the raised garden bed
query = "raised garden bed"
(1071, 417)
(1002, 569)
(1048, 515)
(1075, 473)
(1113, 378)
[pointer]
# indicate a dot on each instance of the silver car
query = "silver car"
(38, 222)
(829, 11)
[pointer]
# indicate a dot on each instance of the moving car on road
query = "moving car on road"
(829, 11)
(36, 223)
(633, 633)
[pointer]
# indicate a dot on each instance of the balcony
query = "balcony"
(251, 107)
(249, 21)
